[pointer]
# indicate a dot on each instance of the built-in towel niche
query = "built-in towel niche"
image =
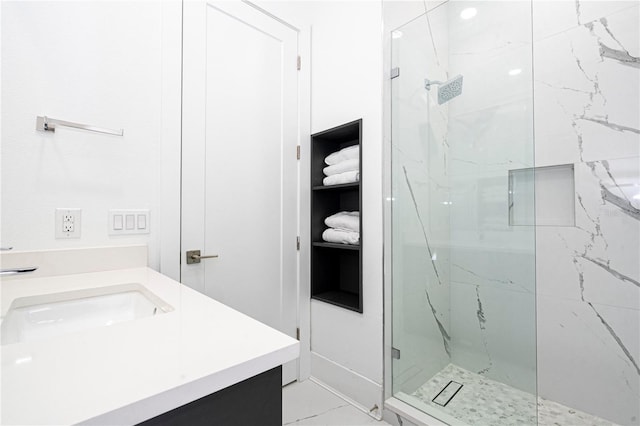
(550, 189)
(336, 268)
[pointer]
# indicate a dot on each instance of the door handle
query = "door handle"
(194, 256)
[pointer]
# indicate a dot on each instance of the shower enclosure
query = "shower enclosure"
(467, 198)
(463, 273)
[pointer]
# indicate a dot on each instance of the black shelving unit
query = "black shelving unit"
(336, 269)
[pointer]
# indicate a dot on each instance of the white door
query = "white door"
(239, 166)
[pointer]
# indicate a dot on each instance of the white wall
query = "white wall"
(346, 84)
(98, 63)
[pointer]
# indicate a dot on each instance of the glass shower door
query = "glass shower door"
(463, 238)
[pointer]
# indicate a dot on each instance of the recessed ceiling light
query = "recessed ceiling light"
(23, 360)
(636, 197)
(468, 13)
(396, 34)
(515, 71)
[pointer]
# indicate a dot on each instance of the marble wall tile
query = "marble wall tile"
(581, 362)
(551, 17)
(497, 70)
(588, 276)
(583, 81)
(488, 34)
(588, 284)
(421, 318)
(398, 13)
(490, 131)
(494, 138)
(493, 333)
(421, 291)
(599, 256)
(610, 217)
(497, 267)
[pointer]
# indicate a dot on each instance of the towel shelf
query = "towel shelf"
(336, 187)
(344, 299)
(337, 246)
(46, 124)
(336, 269)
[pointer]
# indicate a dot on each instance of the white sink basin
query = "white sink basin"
(44, 316)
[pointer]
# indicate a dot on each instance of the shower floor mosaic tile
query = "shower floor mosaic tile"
(485, 402)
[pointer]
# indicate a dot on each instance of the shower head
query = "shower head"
(446, 90)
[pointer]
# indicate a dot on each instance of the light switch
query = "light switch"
(117, 222)
(129, 221)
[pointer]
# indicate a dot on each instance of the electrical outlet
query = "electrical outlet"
(67, 224)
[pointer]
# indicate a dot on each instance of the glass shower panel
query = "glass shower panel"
(420, 219)
(463, 278)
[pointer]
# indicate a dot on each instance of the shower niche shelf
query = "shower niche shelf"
(336, 269)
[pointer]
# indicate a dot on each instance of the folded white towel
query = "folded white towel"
(347, 221)
(348, 153)
(343, 166)
(346, 177)
(341, 236)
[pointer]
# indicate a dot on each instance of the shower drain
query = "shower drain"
(447, 393)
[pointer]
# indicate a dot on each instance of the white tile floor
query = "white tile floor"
(307, 403)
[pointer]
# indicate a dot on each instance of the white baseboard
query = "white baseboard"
(354, 388)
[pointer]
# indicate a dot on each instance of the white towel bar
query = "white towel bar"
(46, 124)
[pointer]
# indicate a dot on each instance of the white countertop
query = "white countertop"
(131, 371)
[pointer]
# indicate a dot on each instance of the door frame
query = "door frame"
(169, 221)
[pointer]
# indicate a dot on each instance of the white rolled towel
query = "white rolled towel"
(341, 236)
(346, 177)
(347, 221)
(343, 166)
(348, 153)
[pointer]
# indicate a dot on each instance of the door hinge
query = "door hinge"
(297, 334)
(395, 353)
(299, 63)
(298, 152)
(395, 72)
(297, 243)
